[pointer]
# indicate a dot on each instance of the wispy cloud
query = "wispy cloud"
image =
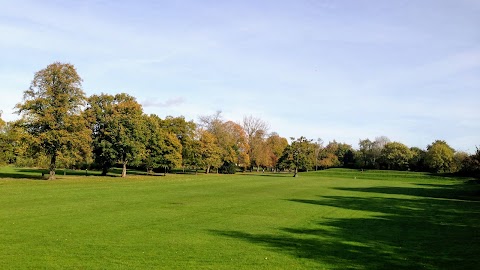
(163, 104)
(318, 68)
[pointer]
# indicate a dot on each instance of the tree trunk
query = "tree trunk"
(104, 170)
(53, 166)
(208, 169)
(165, 171)
(124, 169)
(296, 172)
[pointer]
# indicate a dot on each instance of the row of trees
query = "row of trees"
(60, 126)
(380, 153)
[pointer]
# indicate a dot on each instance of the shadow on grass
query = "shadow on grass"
(42, 174)
(16, 175)
(423, 232)
(404, 176)
(461, 191)
(39, 174)
(267, 174)
(58, 172)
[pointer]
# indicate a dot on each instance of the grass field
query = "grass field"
(333, 219)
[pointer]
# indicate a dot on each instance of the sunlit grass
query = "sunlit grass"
(333, 219)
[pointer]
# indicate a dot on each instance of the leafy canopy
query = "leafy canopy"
(51, 113)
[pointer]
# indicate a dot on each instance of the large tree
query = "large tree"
(396, 156)
(343, 151)
(237, 144)
(365, 153)
(51, 112)
(192, 153)
(210, 152)
(377, 148)
(328, 160)
(215, 126)
(296, 155)
(439, 157)
(184, 131)
(118, 130)
(260, 154)
(275, 147)
(163, 148)
(369, 152)
(256, 130)
(230, 138)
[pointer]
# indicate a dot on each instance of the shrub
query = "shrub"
(228, 168)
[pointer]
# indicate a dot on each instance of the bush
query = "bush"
(228, 168)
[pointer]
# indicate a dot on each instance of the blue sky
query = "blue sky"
(343, 70)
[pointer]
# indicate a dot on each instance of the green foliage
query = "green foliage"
(51, 114)
(342, 151)
(365, 155)
(57, 129)
(118, 131)
(296, 155)
(210, 152)
(172, 152)
(230, 138)
(396, 156)
(369, 154)
(439, 157)
(459, 159)
(228, 168)
(17, 147)
(163, 148)
(184, 131)
(417, 162)
(192, 154)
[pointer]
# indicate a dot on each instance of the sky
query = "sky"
(330, 69)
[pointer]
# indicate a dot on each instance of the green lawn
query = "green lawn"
(333, 219)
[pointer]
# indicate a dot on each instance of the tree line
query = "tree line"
(61, 126)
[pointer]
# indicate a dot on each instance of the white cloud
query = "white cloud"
(163, 104)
